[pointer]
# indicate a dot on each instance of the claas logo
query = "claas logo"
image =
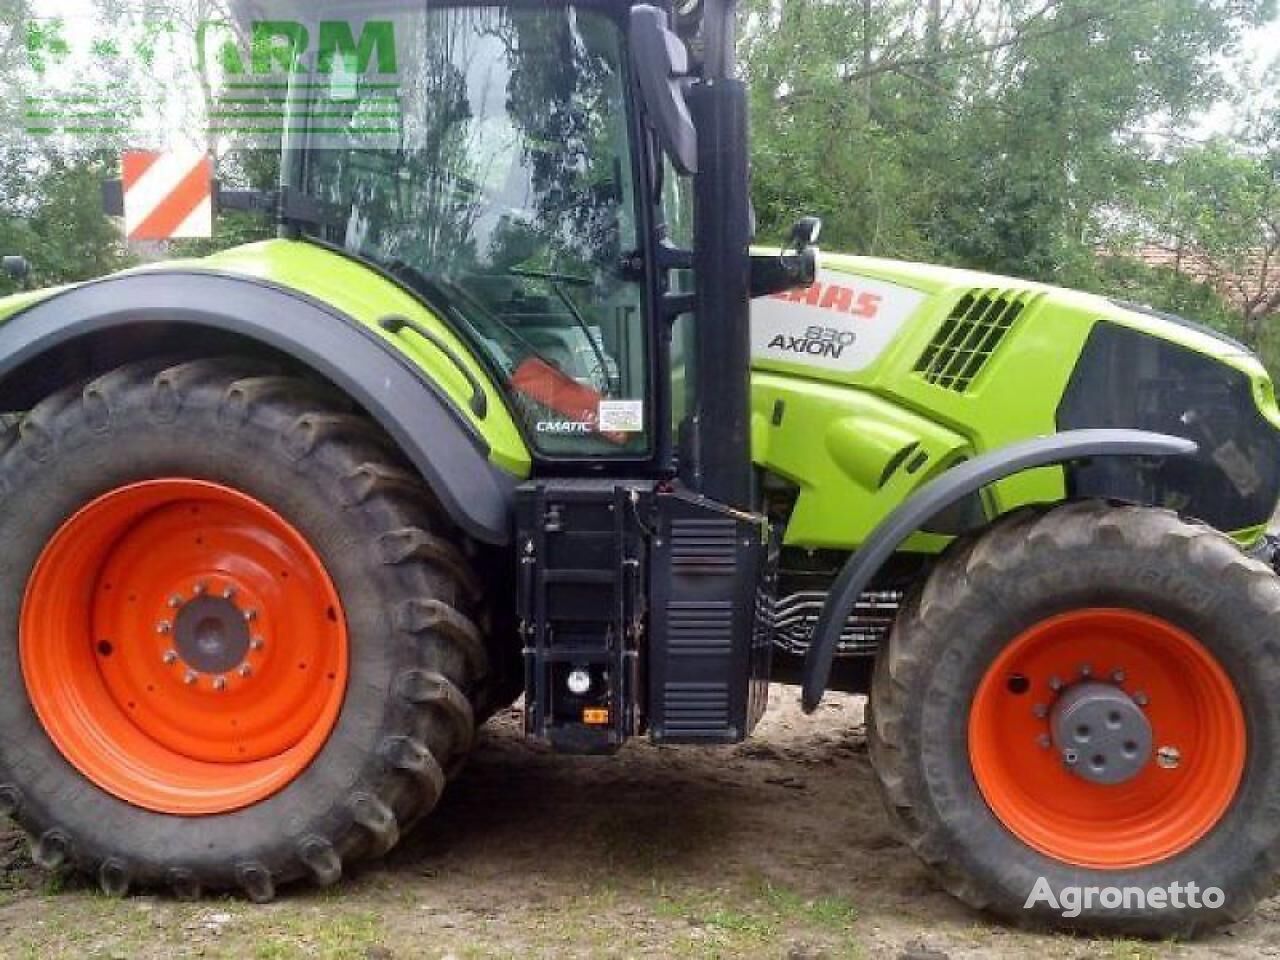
(836, 298)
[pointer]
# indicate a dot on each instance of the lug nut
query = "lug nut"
(1044, 741)
(1169, 757)
(1141, 699)
(250, 615)
(170, 657)
(1055, 684)
(164, 626)
(189, 678)
(1085, 670)
(256, 643)
(229, 593)
(244, 670)
(175, 601)
(1117, 676)
(199, 589)
(219, 683)
(1040, 710)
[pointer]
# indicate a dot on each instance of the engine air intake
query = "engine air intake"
(969, 337)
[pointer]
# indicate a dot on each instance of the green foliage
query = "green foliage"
(1129, 279)
(1223, 201)
(1024, 138)
(58, 224)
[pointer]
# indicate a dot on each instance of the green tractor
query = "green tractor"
(512, 409)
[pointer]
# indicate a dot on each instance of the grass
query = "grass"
(761, 915)
(624, 901)
(749, 916)
(1133, 950)
(318, 933)
(829, 913)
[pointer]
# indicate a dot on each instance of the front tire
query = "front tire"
(1160, 628)
(236, 635)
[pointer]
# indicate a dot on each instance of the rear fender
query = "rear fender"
(437, 438)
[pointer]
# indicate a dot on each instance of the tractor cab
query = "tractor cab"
(517, 202)
(569, 192)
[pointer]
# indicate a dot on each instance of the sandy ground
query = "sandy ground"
(774, 848)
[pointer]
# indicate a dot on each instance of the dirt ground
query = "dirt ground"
(775, 848)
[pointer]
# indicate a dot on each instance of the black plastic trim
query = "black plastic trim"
(960, 481)
(1182, 321)
(436, 436)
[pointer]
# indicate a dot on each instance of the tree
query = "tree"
(56, 221)
(1222, 217)
(1040, 138)
(993, 134)
(1209, 215)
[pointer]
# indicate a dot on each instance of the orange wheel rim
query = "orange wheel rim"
(1196, 726)
(184, 647)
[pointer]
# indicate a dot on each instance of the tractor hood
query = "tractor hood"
(882, 295)
(939, 336)
(994, 360)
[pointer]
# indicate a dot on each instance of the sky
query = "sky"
(1259, 47)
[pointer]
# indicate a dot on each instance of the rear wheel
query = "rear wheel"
(236, 643)
(1083, 698)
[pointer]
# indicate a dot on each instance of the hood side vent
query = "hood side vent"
(969, 337)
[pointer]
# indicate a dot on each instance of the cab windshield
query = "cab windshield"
(506, 196)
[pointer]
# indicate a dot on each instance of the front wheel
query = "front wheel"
(1075, 722)
(236, 644)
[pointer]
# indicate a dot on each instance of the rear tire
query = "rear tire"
(1163, 581)
(416, 662)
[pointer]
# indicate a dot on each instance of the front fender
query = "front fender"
(953, 485)
(437, 438)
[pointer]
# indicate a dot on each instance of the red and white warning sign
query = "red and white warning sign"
(167, 196)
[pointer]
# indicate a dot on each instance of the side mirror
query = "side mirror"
(662, 63)
(688, 17)
(788, 271)
(17, 268)
(805, 233)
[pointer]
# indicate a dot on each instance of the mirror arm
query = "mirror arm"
(673, 258)
(777, 274)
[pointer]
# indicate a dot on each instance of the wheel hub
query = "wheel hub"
(1101, 733)
(184, 646)
(211, 635)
